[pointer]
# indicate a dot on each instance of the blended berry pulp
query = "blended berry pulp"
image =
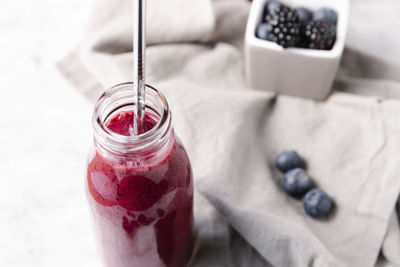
(143, 214)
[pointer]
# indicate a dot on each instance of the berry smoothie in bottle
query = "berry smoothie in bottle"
(139, 187)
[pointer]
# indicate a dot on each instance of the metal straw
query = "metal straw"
(139, 57)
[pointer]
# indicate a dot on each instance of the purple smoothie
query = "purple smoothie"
(143, 214)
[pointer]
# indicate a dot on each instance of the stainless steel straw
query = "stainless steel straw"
(139, 57)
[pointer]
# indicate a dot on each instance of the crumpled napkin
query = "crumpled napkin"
(232, 134)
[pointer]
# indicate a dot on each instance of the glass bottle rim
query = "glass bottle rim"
(117, 98)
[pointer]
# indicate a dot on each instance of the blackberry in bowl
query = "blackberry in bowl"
(318, 34)
(297, 27)
(297, 49)
(283, 26)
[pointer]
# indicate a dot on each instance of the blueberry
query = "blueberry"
(288, 160)
(271, 6)
(262, 31)
(326, 14)
(317, 203)
(305, 15)
(296, 182)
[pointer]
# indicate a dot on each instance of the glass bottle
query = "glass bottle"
(139, 188)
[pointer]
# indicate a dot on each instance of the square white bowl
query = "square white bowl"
(307, 73)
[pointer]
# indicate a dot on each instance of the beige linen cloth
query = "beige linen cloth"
(232, 133)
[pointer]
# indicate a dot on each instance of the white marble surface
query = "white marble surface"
(45, 131)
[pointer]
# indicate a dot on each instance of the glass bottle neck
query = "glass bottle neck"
(141, 150)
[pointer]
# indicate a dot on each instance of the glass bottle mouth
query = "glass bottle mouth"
(120, 98)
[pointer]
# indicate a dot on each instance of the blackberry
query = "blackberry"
(318, 34)
(283, 25)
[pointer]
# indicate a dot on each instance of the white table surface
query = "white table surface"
(45, 132)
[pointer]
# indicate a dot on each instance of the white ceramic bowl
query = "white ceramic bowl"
(301, 72)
